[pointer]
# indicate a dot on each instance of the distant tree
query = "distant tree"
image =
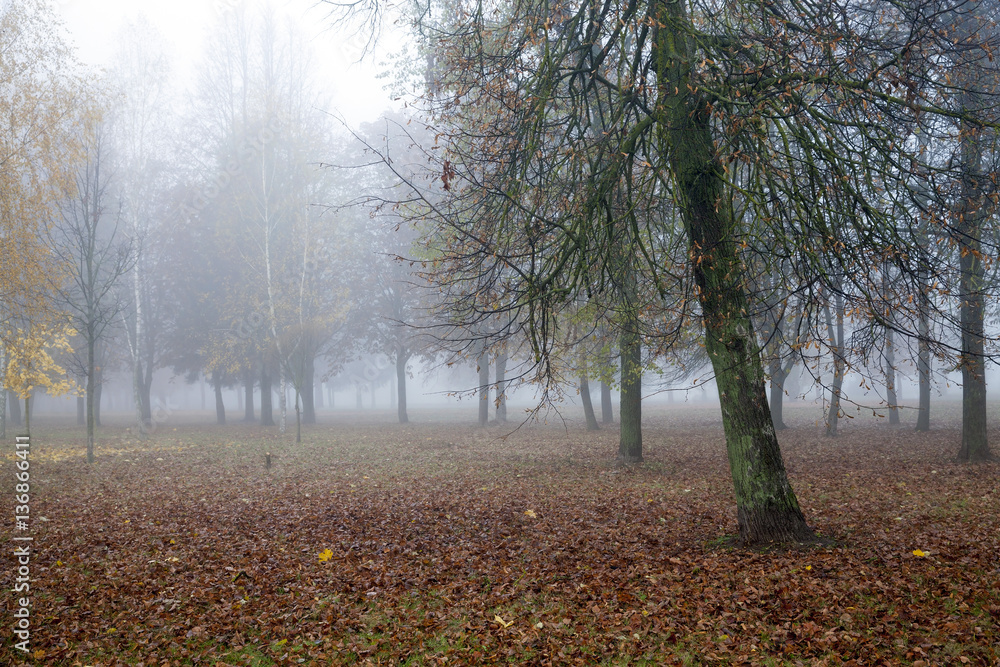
(90, 243)
(139, 121)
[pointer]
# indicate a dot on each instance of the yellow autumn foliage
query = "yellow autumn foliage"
(30, 364)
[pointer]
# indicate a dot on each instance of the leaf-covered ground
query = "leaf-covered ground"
(439, 543)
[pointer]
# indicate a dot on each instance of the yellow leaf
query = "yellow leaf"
(918, 553)
(808, 567)
(325, 555)
(497, 619)
(530, 514)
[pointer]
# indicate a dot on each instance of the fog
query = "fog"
(261, 213)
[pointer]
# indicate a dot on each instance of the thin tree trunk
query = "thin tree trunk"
(220, 408)
(282, 402)
(15, 409)
(248, 409)
(308, 399)
(3, 397)
(401, 358)
(145, 389)
(588, 404)
(483, 392)
(607, 409)
(778, 377)
(839, 366)
(767, 509)
(81, 411)
(924, 364)
(266, 403)
(501, 388)
(98, 394)
(93, 395)
(298, 418)
(890, 379)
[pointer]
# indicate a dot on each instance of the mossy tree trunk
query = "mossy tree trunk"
(767, 508)
(630, 406)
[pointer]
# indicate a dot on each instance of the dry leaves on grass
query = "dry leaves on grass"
(368, 545)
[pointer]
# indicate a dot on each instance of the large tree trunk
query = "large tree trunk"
(607, 409)
(483, 393)
(924, 363)
(248, 409)
(501, 388)
(839, 365)
(220, 408)
(767, 509)
(975, 446)
(402, 357)
(306, 392)
(266, 403)
(588, 404)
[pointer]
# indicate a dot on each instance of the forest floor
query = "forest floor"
(439, 543)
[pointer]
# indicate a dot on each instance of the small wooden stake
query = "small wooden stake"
(267, 460)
